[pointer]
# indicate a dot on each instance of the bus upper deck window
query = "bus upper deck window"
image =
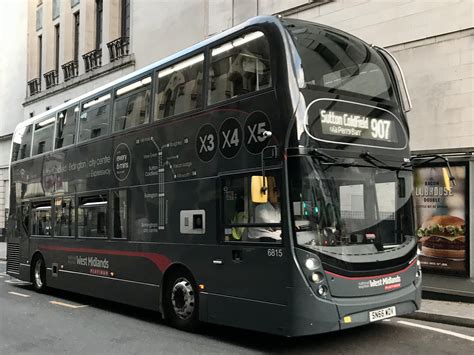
(22, 143)
(132, 105)
(179, 87)
(66, 127)
(239, 67)
(43, 136)
(94, 121)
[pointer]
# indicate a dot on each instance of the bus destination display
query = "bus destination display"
(358, 126)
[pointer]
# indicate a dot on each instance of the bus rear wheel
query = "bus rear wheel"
(39, 274)
(180, 301)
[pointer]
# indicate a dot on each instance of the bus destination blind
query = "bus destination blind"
(357, 126)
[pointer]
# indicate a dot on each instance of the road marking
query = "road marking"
(1, 276)
(18, 294)
(459, 335)
(67, 304)
(16, 282)
(386, 320)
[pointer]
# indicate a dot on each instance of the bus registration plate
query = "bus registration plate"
(382, 313)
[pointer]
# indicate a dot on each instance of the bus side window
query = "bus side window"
(92, 216)
(247, 221)
(41, 218)
(22, 143)
(65, 217)
(43, 136)
(132, 105)
(94, 121)
(239, 67)
(179, 87)
(23, 219)
(66, 127)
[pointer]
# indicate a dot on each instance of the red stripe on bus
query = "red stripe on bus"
(371, 277)
(161, 261)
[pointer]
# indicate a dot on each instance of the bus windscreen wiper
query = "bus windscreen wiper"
(369, 158)
(316, 153)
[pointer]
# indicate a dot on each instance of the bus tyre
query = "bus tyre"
(39, 274)
(180, 301)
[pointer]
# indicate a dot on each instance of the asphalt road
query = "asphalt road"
(63, 323)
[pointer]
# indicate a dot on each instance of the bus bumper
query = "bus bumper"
(314, 315)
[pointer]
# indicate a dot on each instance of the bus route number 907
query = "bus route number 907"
(275, 253)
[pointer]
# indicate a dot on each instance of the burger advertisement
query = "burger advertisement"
(441, 218)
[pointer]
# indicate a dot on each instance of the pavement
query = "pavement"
(454, 313)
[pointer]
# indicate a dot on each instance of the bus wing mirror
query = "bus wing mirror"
(259, 189)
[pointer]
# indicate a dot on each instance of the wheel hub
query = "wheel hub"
(182, 298)
(39, 282)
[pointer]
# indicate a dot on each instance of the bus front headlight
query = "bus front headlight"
(311, 264)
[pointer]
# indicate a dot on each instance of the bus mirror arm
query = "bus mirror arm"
(420, 160)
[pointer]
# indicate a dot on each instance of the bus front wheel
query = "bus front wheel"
(39, 274)
(180, 301)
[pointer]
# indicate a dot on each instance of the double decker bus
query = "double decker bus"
(257, 179)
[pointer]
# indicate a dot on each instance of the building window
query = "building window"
(76, 36)
(179, 87)
(125, 18)
(239, 67)
(99, 9)
(40, 57)
(75, 2)
(56, 8)
(132, 105)
(39, 18)
(92, 216)
(56, 48)
(65, 217)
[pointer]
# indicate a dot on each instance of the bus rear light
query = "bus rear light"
(202, 287)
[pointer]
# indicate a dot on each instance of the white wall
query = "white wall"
(162, 27)
(13, 14)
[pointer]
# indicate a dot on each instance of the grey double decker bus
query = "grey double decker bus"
(258, 179)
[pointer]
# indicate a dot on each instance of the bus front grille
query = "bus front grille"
(13, 258)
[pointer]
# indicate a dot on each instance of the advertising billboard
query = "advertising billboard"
(441, 217)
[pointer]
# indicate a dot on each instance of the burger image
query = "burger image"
(443, 237)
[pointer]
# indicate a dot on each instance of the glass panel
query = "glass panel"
(92, 217)
(132, 105)
(22, 143)
(239, 211)
(239, 67)
(346, 211)
(43, 136)
(42, 218)
(335, 61)
(56, 8)
(66, 127)
(39, 18)
(94, 120)
(119, 215)
(65, 217)
(179, 88)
